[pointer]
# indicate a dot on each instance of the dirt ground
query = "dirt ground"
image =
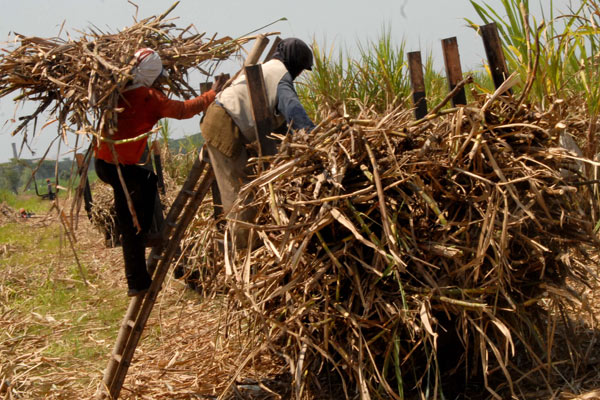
(182, 354)
(190, 349)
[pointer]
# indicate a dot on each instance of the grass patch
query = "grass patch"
(49, 314)
(28, 201)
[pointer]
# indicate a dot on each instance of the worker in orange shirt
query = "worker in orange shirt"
(143, 104)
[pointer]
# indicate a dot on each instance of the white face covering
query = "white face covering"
(148, 68)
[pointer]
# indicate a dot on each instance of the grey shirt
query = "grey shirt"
(288, 105)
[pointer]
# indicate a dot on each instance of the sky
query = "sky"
(340, 24)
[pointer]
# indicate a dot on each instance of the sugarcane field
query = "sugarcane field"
(369, 222)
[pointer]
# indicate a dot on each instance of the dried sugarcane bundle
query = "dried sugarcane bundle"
(79, 81)
(103, 214)
(400, 252)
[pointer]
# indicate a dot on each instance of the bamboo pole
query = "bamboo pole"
(260, 111)
(150, 298)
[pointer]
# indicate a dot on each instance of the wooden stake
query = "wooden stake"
(255, 53)
(205, 87)
(418, 84)
(259, 46)
(260, 110)
(494, 53)
(273, 49)
(453, 69)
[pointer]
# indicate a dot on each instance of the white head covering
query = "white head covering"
(148, 68)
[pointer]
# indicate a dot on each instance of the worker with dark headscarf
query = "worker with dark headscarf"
(229, 125)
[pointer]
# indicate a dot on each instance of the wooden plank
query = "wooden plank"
(494, 53)
(253, 57)
(259, 46)
(417, 80)
(115, 358)
(260, 110)
(273, 49)
(205, 86)
(453, 69)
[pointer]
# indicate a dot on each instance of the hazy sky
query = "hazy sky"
(340, 23)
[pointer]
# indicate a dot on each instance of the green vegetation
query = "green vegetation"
(52, 313)
(29, 202)
(16, 175)
(556, 57)
(378, 79)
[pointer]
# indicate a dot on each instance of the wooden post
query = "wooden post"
(273, 49)
(87, 193)
(259, 46)
(494, 53)
(260, 110)
(205, 86)
(418, 84)
(158, 166)
(255, 53)
(453, 69)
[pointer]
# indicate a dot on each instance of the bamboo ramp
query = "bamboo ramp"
(179, 217)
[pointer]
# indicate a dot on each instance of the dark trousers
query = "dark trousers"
(141, 185)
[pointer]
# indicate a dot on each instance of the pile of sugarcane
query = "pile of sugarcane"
(79, 81)
(409, 255)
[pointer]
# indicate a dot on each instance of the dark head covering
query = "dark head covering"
(295, 55)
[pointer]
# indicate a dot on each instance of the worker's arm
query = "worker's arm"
(288, 105)
(187, 109)
(168, 108)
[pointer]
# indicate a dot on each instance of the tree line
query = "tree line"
(16, 175)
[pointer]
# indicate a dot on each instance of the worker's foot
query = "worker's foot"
(136, 292)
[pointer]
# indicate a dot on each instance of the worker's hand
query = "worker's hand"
(220, 81)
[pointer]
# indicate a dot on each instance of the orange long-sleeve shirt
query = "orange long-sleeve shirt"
(143, 108)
